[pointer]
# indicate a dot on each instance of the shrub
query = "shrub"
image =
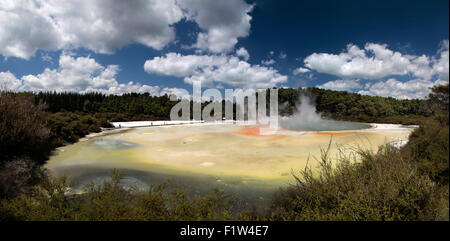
(19, 176)
(23, 130)
(428, 147)
(381, 186)
(113, 201)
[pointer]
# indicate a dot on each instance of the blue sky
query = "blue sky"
(386, 48)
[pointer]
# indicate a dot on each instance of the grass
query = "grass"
(111, 201)
(380, 186)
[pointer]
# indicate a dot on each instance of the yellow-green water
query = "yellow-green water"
(201, 157)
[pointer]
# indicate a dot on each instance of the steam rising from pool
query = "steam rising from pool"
(307, 119)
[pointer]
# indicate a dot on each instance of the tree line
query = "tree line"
(334, 104)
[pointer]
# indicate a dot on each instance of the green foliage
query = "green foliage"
(68, 127)
(439, 97)
(23, 130)
(342, 105)
(334, 104)
(428, 145)
(112, 201)
(19, 176)
(355, 107)
(366, 186)
(153, 107)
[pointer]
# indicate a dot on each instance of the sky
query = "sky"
(384, 48)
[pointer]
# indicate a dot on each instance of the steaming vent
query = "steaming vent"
(306, 118)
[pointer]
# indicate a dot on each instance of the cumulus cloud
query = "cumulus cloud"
(376, 62)
(47, 58)
(130, 87)
(215, 69)
(412, 89)
(103, 26)
(73, 74)
(222, 22)
(179, 93)
(341, 85)
(24, 29)
(98, 25)
(242, 52)
(300, 70)
(175, 64)
(268, 62)
(9, 82)
(78, 74)
(441, 63)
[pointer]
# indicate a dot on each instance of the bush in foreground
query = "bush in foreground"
(23, 130)
(381, 186)
(112, 201)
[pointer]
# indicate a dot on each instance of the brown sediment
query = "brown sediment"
(343, 133)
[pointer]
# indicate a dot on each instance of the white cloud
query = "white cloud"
(24, 29)
(73, 74)
(118, 89)
(300, 70)
(175, 64)
(240, 74)
(180, 93)
(101, 26)
(78, 74)
(268, 62)
(242, 52)
(282, 55)
(412, 89)
(373, 62)
(98, 25)
(215, 69)
(47, 58)
(223, 22)
(341, 85)
(441, 64)
(376, 62)
(8, 81)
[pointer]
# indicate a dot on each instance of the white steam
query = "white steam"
(306, 118)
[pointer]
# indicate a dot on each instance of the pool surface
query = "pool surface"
(247, 161)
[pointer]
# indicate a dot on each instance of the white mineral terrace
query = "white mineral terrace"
(132, 124)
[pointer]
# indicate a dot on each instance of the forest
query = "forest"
(413, 185)
(336, 104)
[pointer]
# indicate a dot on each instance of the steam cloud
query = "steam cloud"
(306, 118)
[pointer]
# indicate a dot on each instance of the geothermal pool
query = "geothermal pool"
(248, 161)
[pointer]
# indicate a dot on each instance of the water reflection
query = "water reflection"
(323, 125)
(113, 144)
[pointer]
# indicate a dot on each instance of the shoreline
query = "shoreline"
(103, 132)
(128, 125)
